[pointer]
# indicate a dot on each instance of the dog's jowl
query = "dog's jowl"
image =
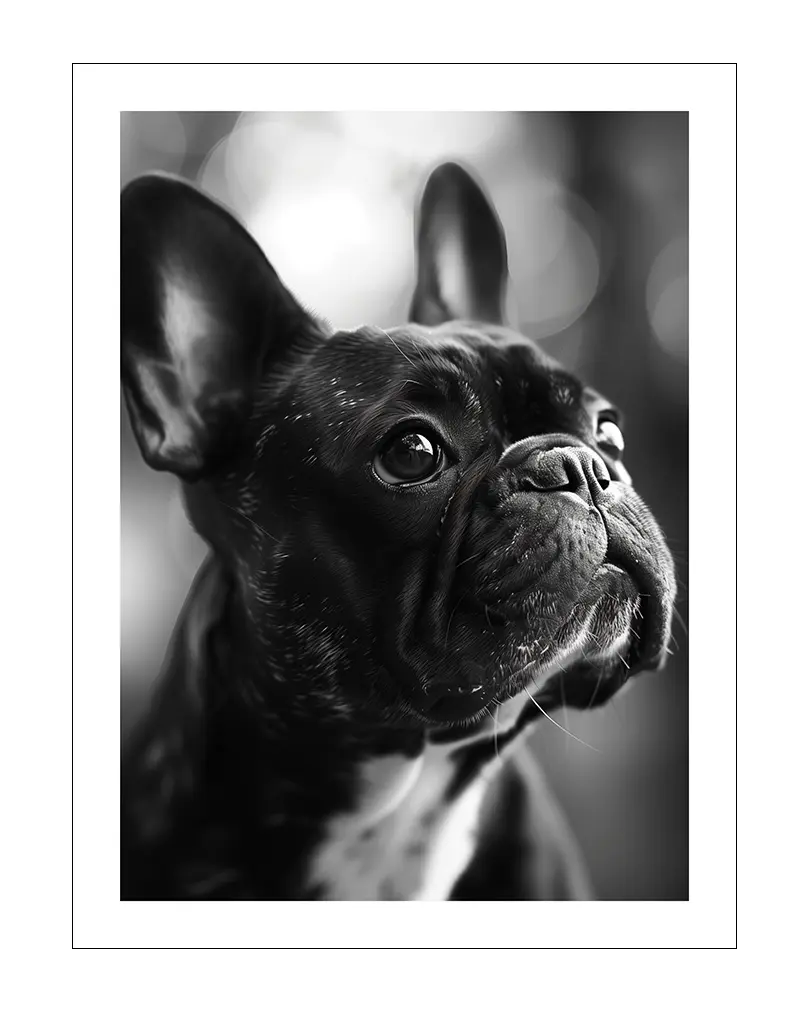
(421, 540)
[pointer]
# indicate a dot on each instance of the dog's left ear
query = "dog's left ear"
(204, 318)
(462, 264)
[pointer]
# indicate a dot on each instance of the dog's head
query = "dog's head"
(419, 522)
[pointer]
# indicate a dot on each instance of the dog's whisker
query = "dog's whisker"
(564, 707)
(399, 349)
(450, 621)
(678, 617)
(251, 520)
(496, 730)
(558, 724)
(598, 682)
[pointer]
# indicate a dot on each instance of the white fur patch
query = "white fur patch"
(453, 845)
(404, 841)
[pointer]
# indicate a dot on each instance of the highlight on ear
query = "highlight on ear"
(201, 312)
(462, 263)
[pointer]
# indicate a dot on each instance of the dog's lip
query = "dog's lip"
(648, 644)
(640, 625)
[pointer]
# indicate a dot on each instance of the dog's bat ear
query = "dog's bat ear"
(202, 312)
(462, 265)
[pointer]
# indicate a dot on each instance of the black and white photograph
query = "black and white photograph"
(404, 505)
(405, 529)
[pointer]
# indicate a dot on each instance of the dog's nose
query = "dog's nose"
(567, 468)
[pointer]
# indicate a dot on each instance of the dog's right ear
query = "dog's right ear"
(462, 263)
(202, 313)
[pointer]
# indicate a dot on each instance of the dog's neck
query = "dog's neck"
(259, 765)
(223, 688)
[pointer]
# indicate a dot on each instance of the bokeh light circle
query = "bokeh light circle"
(667, 298)
(553, 254)
(332, 220)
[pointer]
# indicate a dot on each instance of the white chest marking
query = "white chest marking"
(453, 845)
(405, 841)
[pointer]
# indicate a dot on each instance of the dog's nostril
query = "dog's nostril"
(546, 483)
(601, 473)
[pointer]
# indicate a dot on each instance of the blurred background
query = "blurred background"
(595, 207)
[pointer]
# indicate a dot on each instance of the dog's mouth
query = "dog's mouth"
(617, 630)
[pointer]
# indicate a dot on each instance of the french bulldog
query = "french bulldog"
(421, 540)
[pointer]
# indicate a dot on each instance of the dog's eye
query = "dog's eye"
(609, 436)
(408, 458)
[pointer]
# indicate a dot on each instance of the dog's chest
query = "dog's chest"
(406, 839)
